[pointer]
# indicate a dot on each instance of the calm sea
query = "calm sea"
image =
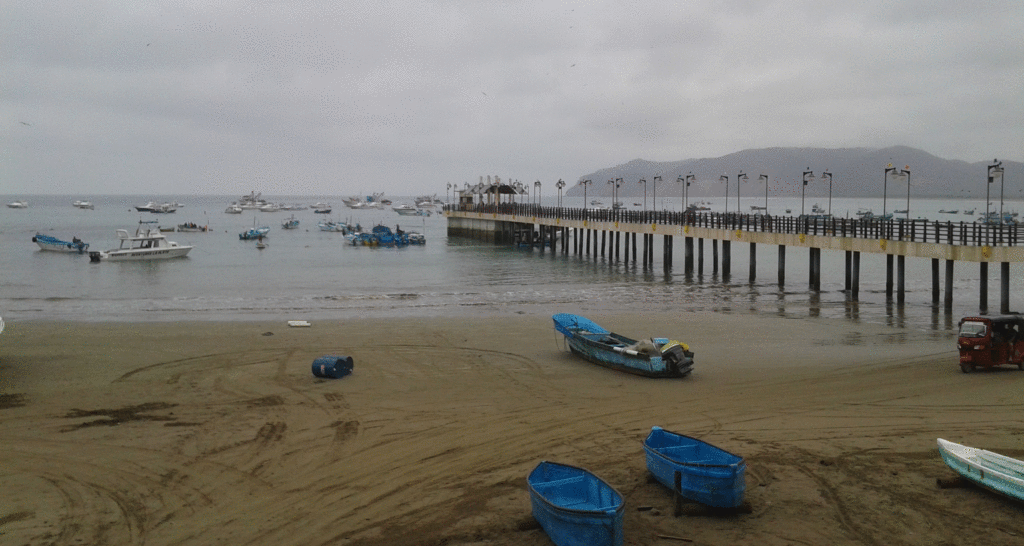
(309, 274)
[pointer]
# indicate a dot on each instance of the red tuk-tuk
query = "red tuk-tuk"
(985, 342)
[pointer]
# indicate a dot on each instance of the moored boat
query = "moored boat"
(255, 233)
(192, 227)
(290, 223)
(990, 470)
(46, 242)
(695, 469)
(654, 357)
(18, 204)
(575, 507)
(147, 244)
(234, 208)
(409, 210)
(84, 205)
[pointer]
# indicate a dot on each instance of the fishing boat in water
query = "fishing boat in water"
(148, 243)
(290, 223)
(695, 469)
(653, 357)
(255, 233)
(54, 244)
(575, 507)
(190, 227)
(990, 470)
(18, 205)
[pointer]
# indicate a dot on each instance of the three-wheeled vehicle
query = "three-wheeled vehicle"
(985, 342)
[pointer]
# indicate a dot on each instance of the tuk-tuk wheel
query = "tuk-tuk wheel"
(966, 368)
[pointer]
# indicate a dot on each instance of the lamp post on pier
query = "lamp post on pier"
(740, 178)
(828, 175)
(994, 171)
(725, 178)
(446, 192)
(585, 183)
(654, 198)
(684, 192)
(808, 177)
(644, 182)
(560, 184)
(885, 181)
(765, 178)
(901, 174)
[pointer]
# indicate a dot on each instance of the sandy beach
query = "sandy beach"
(218, 432)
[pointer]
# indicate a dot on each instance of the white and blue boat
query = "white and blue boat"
(695, 469)
(990, 470)
(254, 233)
(575, 507)
(290, 223)
(46, 242)
(654, 357)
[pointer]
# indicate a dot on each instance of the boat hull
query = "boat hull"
(575, 507)
(53, 244)
(138, 255)
(989, 470)
(706, 474)
(661, 358)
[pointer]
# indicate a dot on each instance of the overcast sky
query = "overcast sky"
(404, 97)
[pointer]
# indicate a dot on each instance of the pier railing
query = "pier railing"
(899, 229)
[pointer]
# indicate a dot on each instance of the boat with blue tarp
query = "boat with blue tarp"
(653, 357)
(575, 507)
(47, 242)
(695, 469)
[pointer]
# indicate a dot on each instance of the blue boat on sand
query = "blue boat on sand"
(654, 357)
(695, 469)
(575, 507)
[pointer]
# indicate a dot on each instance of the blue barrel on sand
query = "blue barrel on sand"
(332, 366)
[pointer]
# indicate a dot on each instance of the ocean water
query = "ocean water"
(308, 274)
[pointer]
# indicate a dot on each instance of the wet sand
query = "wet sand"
(218, 433)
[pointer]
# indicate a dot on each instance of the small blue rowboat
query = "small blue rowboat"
(695, 469)
(575, 507)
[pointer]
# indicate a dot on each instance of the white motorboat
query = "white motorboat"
(234, 208)
(409, 210)
(18, 204)
(84, 205)
(148, 243)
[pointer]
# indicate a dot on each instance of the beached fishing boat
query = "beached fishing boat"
(990, 470)
(46, 242)
(575, 507)
(147, 244)
(654, 357)
(695, 469)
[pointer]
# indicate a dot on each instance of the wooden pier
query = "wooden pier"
(623, 234)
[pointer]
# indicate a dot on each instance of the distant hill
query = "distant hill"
(856, 172)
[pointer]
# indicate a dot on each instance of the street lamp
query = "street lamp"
(828, 175)
(446, 192)
(740, 178)
(765, 178)
(885, 181)
(899, 174)
(686, 192)
(994, 171)
(644, 182)
(725, 178)
(537, 186)
(654, 198)
(585, 183)
(560, 184)
(808, 177)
